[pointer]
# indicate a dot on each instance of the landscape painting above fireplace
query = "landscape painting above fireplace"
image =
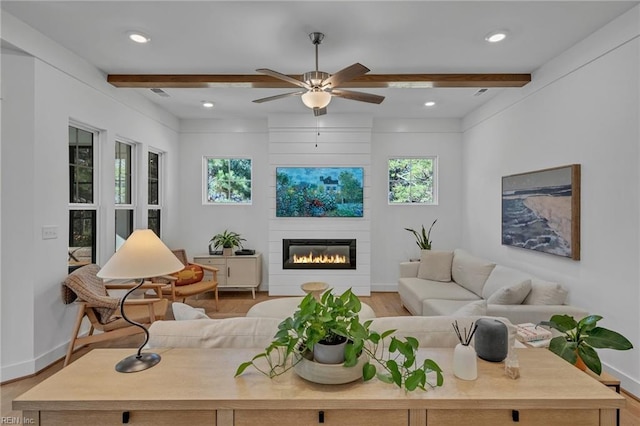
(319, 191)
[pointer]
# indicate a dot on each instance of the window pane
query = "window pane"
(154, 221)
(228, 180)
(154, 179)
(82, 237)
(124, 226)
(411, 180)
(80, 166)
(123, 173)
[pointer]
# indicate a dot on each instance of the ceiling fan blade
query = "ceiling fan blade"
(345, 74)
(319, 111)
(358, 96)
(280, 96)
(284, 77)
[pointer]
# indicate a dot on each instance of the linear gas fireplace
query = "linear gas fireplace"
(318, 254)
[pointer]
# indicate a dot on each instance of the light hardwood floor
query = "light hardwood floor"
(234, 304)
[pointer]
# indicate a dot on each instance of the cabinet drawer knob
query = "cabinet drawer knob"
(515, 415)
(125, 417)
(320, 416)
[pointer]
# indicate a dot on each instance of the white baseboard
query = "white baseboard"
(383, 287)
(629, 384)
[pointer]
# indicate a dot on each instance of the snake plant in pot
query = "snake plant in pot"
(423, 238)
(335, 318)
(580, 340)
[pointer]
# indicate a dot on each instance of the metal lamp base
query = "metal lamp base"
(134, 363)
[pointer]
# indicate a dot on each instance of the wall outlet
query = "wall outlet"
(49, 232)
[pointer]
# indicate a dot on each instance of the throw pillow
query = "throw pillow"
(477, 308)
(546, 293)
(469, 271)
(189, 275)
(502, 276)
(435, 265)
(511, 295)
(182, 312)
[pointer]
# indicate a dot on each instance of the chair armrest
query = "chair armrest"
(165, 277)
(126, 286)
(149, 301)
(206, 267)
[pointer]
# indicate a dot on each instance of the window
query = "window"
(153, 201)
(82, 197)
(227, 180)
(124, 198)
(413, 180)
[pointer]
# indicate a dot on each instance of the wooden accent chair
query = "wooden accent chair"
(103, 311)
(190, 281)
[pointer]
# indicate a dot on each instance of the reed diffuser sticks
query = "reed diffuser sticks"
(464, 337)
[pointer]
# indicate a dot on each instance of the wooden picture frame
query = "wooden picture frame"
(541, 210)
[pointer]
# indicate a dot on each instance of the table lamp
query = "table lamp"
(142, 255)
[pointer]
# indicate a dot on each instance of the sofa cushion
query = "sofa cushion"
(182, 312)
(435, 265)
(479, 307)
(511, 294)
(545, 293)
(502, 276)
(427, 289)
(469, 271)
(438, 307)
(238, 332)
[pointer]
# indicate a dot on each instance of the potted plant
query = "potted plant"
(335, 318)
(227, 240)
(580, 339)
(423, 239)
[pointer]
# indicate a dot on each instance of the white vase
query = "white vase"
(465, 363)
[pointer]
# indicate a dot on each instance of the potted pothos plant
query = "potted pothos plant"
(580, 339)
(423, 238)
(227, 240)
(335, 318)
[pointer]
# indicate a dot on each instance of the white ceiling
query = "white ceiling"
(236, 37)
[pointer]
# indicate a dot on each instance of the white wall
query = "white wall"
(39, 100)
(199, 222)
(583, 108)
(391, 244)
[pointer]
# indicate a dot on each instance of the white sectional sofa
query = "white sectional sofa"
(448, 283)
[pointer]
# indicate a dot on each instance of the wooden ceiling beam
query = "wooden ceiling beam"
(410, 81)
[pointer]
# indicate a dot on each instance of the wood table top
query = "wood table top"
(198, 379)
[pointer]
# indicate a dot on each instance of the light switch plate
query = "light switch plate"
(49, 232)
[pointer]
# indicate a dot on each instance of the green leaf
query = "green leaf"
(588, 323)
(243, 367)
(590, 358)
(561, 347)
(562, 322)
(607, 339)
(392, 366)
(415, 379)
(368, 371)
(413, 342)
(387, 333)
(385, 377)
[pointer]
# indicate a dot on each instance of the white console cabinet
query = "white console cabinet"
(235, 271)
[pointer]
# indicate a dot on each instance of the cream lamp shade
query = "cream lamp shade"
(142, 255)
(316, 98)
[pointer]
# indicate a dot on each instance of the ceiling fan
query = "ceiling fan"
(320, 86)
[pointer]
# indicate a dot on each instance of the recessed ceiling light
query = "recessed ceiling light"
(138, 37)
(496, 36)
(207, 104)
(430, 103)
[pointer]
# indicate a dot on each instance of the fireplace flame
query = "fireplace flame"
(312, 258)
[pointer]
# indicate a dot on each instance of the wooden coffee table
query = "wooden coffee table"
(197, 387)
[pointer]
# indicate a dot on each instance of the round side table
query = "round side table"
(315, 287)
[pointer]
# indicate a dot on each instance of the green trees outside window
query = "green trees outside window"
(228, 180)
(412, 180)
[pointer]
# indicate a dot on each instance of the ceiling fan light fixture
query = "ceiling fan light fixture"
(430, 103)
(316, 98)
(496, 36)
(138, 37)
(207, 104)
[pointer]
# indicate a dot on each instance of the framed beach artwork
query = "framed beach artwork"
(541, 211)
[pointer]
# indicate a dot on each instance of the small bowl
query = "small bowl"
(329, 374)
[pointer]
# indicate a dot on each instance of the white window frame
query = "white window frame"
(95, 204)
(161, 164)
(434, 159)
(205, 183)
(132, 206)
